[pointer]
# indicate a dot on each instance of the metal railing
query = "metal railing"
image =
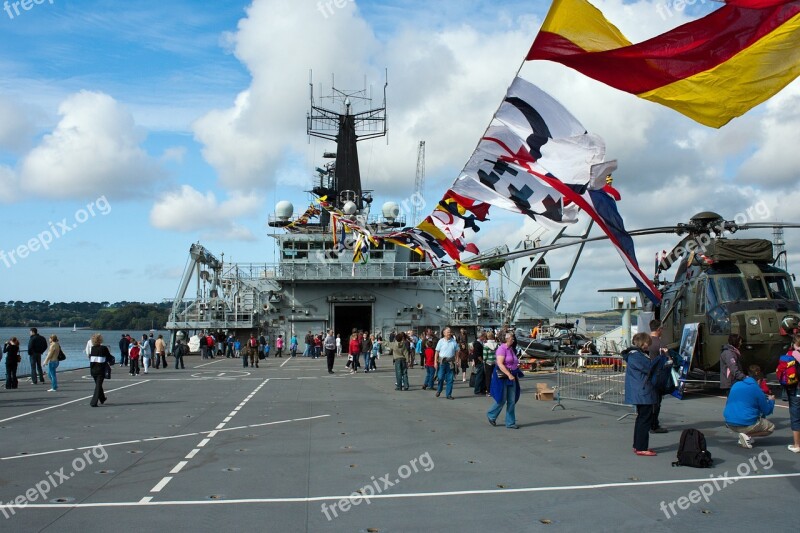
(591, 378)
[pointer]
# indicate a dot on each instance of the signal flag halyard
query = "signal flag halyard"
(712, 69)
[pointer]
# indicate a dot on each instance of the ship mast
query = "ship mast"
(346, 128)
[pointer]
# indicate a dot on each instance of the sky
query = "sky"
(130, 130)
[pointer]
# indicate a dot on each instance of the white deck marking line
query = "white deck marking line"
(163, 438)
(69, 402)
(276, 422)
(489, 492)
(40, 453)
(206, 364)
(178, 467)
(161, 484)
(192, 453)
(721, 397)
(146, 499)
(109, 444)
(286, 361)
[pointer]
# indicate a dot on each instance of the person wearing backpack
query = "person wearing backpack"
(746, 411)
(639, 391)
(252, 350)
(788, 373)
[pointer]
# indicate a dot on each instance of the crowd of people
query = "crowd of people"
(492, 360)
(748, 404)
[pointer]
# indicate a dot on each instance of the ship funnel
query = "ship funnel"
(420, 306)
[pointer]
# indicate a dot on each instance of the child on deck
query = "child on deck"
(755, 373)
(133, 356)
(430, 355)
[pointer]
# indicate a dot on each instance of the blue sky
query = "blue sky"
(185, 121)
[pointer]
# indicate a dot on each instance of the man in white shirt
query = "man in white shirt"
(444, 361)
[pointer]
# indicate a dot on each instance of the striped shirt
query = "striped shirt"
(98, 354)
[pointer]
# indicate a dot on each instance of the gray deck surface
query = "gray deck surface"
(291, 438)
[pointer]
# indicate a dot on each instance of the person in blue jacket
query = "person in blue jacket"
(746, 411)
(639, 391)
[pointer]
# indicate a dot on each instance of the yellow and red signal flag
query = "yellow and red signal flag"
(712, 69)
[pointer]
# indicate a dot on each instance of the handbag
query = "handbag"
(472, 377)
(61, 355)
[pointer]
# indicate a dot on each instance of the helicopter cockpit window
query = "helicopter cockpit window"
(780, 288)
(700, 301)
(731, 289)
(756, 288)
(711, 295)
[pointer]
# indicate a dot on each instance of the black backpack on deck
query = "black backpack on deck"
(692, 450)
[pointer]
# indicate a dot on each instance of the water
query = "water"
(72, 344)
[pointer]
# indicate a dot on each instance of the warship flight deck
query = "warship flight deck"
(288, 447)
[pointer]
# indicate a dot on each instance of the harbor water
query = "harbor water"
(73, 344)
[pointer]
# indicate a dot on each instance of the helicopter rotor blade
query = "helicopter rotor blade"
(673, 256)
(533, 251)
(767, 225)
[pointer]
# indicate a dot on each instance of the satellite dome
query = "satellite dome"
(349, 208)
(284, 210)
(390, 210)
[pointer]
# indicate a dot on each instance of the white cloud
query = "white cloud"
(94, 150)
(278, 43)
(776, 162)
(17, 126)
(189, 210)
(8, 185)
(174, 153)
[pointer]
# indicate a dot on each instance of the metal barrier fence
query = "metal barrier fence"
(592, 378)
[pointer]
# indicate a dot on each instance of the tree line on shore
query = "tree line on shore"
(94, 315)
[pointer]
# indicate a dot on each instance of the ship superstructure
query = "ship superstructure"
(315, 285)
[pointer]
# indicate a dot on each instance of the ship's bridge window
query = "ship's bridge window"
(756, 287)
(731, 289)
(780, 288)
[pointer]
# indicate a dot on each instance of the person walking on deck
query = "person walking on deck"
(445, 362)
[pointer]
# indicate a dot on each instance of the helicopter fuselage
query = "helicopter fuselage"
(755, 300)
